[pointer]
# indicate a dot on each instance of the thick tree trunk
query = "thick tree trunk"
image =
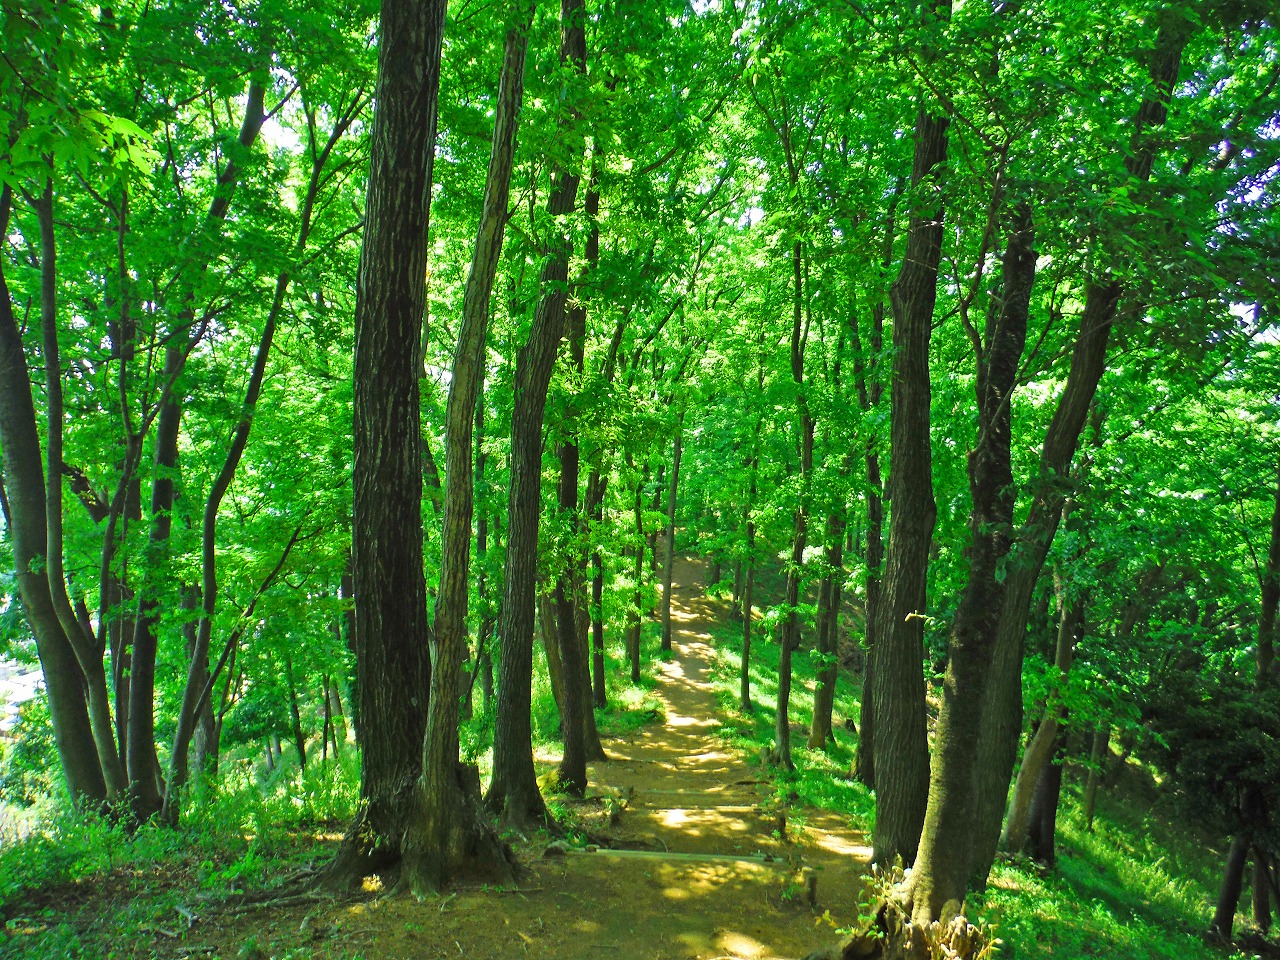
(513, 792)
(1044, 807)
(393, 671)
(1001, 719)
(942, 872)
(1224, 914)
(870, 396)
(669, 558)
(901, 744)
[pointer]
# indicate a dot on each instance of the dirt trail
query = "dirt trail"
(700, 872)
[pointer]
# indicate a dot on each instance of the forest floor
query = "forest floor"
(691, 856)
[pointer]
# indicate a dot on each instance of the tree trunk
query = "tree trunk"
(145, 797)
(453, 835)
(942, 872)
(595, 512)
(1001, 716)
(393, 671)
(748, 598)
(204, 743)
(513, 791)
(87, 652)
(549, 629)
(1224, 915)
(901, 745)
(668, 566)
(870, 397)
(1101, 739)
(1040, 751)
(24, 487)
(1044, 807)
(636, 618)
(824, 696)
(299, 738)
(790, 638)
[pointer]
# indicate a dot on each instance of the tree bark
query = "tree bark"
(1224, 914)
(392, 666)
(901, 744)
(454, 836)
(513, 791)
(144, 791)
(870, 396)
(1101, 739)
(1041, 835)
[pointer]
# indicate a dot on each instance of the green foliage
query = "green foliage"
(29, 758)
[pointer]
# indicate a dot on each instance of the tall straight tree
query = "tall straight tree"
(1002, 706)
(24, 502)
(453, 837)
(392, 666)
(901, 745)
(941, 872)
(513, 792)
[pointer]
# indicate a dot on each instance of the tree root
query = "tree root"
(891, 934)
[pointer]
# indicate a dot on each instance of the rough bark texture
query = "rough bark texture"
(1002, 708)
(941, 873)
(453, 836)
(392, 666)
(901, 745)
(513, 792)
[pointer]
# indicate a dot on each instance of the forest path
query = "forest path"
(720, 875)
(691, 869)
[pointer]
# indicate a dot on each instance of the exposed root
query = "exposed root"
(892, 935)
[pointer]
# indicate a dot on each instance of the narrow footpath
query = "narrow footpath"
(696, 864)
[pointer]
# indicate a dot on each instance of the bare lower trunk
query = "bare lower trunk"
(901, 744)
(669, 558)
(24, 489)
(1224, 914)
(513, 792)
(393, 670)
